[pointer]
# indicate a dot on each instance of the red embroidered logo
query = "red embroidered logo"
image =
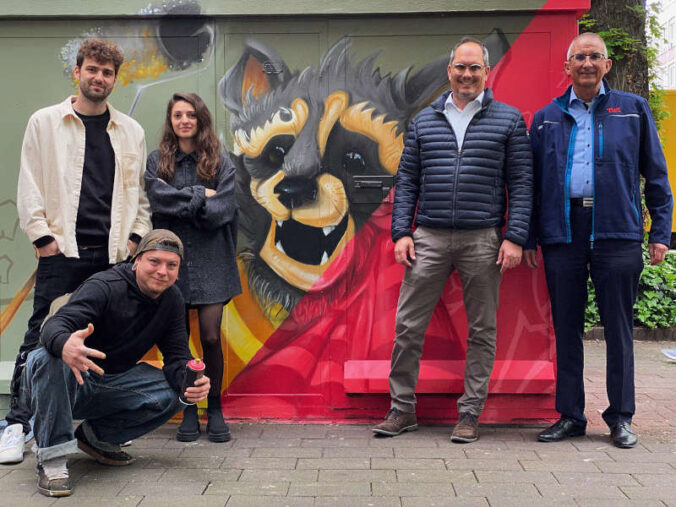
(614, 110)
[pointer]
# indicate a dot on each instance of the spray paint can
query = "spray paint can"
(193, 371)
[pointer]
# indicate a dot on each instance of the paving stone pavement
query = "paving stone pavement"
(324, 465)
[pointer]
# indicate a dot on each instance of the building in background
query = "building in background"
(667, 54)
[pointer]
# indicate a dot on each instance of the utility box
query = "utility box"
(313, 104)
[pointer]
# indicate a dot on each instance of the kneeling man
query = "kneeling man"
(121, 313)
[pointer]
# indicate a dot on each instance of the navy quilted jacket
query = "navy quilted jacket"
(450, 188)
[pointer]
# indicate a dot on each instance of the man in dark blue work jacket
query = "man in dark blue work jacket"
(591, 146)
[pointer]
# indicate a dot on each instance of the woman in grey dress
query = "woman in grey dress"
(191, 188)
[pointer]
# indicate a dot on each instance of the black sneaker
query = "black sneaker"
(53, 477)
(113, 456)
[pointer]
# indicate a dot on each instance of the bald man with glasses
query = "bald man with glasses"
(591, 146)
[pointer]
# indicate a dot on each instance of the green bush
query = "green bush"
(656, 302)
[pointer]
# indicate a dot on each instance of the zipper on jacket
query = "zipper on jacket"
(457, 162)
(455, 185)
(569, 168)
(566, 187)
(593, 178)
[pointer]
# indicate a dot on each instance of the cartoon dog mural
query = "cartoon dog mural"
(301, 140)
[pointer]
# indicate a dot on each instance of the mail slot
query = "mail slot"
(367, 189)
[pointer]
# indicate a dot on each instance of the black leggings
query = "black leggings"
(210, 335)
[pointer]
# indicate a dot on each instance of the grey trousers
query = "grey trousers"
(438, 252)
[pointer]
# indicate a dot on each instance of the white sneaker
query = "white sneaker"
(11, 444)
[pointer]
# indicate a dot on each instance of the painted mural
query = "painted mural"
(316, 148)
(301, 139)
(176, 42)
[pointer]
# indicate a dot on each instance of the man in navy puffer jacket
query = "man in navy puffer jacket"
(463, 155)
(590, 147)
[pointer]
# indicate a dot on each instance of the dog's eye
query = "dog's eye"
(353, 162)
(276, 155)
(285, 114)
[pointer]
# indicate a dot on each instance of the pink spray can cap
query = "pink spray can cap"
(196, 364)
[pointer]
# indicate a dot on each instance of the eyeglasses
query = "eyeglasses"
(460, 68)
(581, 57)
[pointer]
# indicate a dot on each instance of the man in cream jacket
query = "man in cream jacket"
(80, 200)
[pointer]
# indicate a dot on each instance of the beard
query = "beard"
(94, 95)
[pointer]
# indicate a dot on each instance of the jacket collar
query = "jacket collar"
(440, 103)
(66, 109)
(181, 155)
(564, 100)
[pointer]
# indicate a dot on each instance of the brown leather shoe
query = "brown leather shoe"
(466, 430)
(396, 422)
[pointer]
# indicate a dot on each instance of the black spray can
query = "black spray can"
(193, 370)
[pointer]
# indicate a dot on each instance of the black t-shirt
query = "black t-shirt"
(98, 175)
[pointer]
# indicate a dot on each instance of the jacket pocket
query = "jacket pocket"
(130, 170)
(617, 135)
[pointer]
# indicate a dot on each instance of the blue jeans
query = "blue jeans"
(118, 407)
(615, 267)
(56, 275)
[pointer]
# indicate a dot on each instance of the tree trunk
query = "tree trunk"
(630, 68)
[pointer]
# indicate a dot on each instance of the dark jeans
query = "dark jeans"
(615, 267)
(56, 275)
(118, 407)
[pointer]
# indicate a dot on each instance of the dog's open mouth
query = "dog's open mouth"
(300, 253)
(307, 244)
(303, 241)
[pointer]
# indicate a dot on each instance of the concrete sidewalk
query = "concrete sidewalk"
(344, 465)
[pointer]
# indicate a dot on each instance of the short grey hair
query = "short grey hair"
(591, 35)
(465, 40)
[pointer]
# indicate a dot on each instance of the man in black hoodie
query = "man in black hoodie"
(121, 313)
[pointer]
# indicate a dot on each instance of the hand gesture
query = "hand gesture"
(132, 246)
(404, 250)
(209, 192)
(199, 391)
(657, 252)
(509, 255)
(530, 258)
(76, 355)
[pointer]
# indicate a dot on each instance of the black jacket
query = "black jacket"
(127, 323)
(207, 227)
(451, 188)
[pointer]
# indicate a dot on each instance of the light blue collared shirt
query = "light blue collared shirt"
(459, 118)
(581, 175)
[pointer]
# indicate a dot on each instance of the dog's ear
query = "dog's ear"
(497, 44)
(424, 85)
(259, 70)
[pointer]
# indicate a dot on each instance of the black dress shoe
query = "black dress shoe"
(623, 436)
(562, 429)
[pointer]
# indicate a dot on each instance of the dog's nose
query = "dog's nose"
(295, 191)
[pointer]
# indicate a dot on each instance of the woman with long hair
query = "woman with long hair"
(191, 188)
